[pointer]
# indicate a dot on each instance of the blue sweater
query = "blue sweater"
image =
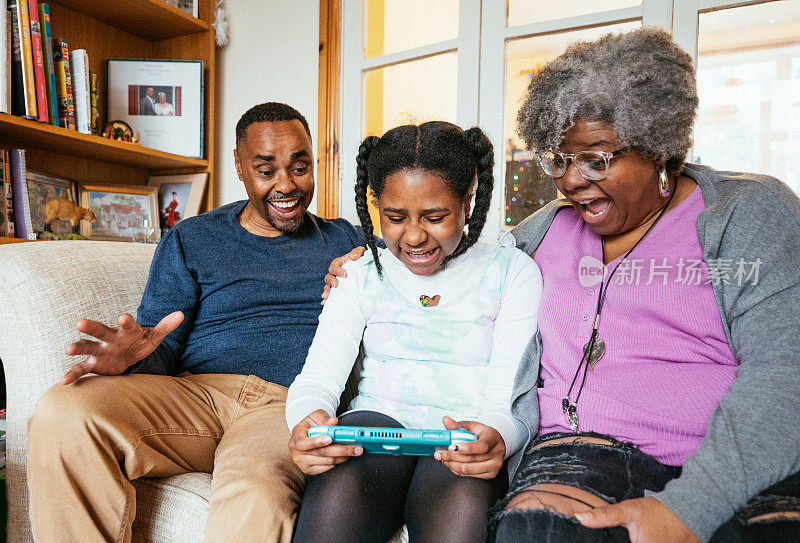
(251, 303)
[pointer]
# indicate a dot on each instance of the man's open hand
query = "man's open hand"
(118, 347)
(647, 521)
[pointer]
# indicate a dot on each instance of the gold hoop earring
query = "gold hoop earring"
(663, 183)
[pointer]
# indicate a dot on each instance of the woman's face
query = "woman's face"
(162, 98)
(422, 220)
(626, 198)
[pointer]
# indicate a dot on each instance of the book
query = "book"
(7, 193)
(3, 213)
(49, 69)
(94, 113)
(79, 63)
(5, 60)
(22, 211)
(66, 104)
(38, 62)
(23, 94)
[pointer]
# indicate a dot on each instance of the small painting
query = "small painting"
(124, 213)
(179, 197)
(41, 189)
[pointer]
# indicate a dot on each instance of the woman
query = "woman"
(162, 107)
(666, 360)
(681, 378)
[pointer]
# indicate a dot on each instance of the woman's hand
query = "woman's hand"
(336, 270)
(482, 458)
(647, 520)
(119, 348)
(315, 455)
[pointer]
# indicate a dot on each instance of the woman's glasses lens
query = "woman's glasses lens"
(592, 165)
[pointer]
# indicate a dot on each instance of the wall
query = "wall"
(272, 55)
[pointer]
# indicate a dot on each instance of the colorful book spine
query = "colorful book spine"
(66, 104)
(38, 62)
(5, 61)
(3, 214)
(6, 193)
(94, 115)
(79, 62)
(49, 69)
(23, 96)
(22, 208)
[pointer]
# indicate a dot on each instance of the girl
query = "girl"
(444, 321)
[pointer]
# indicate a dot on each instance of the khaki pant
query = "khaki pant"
(86, 441)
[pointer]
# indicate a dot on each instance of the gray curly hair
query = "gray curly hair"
(640, 82)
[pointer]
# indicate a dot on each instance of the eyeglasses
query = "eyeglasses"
(592, 165)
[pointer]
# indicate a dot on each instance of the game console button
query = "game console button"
(344, 435)
(391, 447)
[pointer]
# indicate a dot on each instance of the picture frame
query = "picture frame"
(161, 100)
(179, 197)
(41, 189)
(121, 212)
(189, 6)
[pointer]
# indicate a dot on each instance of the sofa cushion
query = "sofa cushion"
(172, 509)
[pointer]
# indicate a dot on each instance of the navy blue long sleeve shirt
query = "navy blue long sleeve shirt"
(251, 303)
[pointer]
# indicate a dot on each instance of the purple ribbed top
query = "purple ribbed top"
(667, 362)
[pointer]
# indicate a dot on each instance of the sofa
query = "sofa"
(45, 288)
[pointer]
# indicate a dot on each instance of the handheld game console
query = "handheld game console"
(395, 441)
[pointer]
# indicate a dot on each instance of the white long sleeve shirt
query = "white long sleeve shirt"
(458, 358)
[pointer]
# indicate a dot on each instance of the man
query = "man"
(228, 313)
(147, 104)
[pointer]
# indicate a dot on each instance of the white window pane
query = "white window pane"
(398, 25)
(532, 189)
(749, 85)
(522, 12)
(411, 92)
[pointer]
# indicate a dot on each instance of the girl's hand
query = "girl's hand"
(482, 458)
(336, 270)
(315, 455)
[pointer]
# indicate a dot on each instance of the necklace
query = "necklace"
(594, 349)
(429, 301)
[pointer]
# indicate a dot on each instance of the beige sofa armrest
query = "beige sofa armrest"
(45, 288)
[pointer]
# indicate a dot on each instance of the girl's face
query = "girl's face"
(422, 220)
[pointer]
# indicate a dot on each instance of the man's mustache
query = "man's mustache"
(280, 196)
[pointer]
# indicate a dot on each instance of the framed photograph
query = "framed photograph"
(124, 212)
(162, 100)
(179, 197)
(41, 189)
(189, 6)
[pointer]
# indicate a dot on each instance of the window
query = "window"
(415, 63)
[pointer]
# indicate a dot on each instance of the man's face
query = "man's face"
(276, 164)
(150, 92)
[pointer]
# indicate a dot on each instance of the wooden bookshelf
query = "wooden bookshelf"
(148, 19)
(33, 135)
(121, 29)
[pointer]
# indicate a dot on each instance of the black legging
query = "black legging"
(367, 498)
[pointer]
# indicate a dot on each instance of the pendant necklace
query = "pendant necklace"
(594, 349)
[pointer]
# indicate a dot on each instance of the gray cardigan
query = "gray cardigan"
(753, 438)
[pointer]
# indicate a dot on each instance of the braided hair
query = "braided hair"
(457, 156)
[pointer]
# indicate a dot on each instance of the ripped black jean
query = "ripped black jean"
(615, 472)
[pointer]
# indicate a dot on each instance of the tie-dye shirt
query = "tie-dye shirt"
(458, 358)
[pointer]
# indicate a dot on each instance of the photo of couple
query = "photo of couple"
(155, 100)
